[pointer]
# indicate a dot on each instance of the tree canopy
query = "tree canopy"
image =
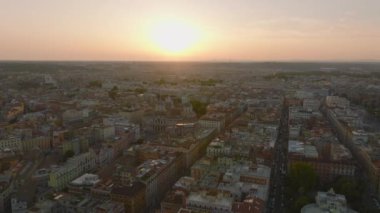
(348, 187)
(113, 93)
(302, 177)
(95, 84)
(199, 107)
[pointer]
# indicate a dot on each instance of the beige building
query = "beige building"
(41, 142)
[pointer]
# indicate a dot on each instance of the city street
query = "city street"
(276, 201)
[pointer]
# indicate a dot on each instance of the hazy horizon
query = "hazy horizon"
(192, 61)
(241, 31)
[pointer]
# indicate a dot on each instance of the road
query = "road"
(276, 200)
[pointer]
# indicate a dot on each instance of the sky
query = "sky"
(227, 30)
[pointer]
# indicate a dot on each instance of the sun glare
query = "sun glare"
(174, 37)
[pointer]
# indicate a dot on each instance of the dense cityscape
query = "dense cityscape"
(181, 137)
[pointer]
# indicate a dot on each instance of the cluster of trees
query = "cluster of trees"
(5, 165)
(209, 82)
(68, 154)
(95, 84)
(113, 93)
(287, 75)
(371, 104)
(349, 187)
(374, 111)
(200, 108)
(164, 82)
(140, 90)
(301, 183)
(160, 82)
(353, 189)
(28, 84)
(283, 76)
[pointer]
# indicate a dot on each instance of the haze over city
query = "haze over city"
(216, 30)
(190, 106)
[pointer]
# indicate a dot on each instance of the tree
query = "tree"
(302, 177)
(58, 122)
(161, 82)
(302, 180)
(113, 93)
(95, 84)
(199, 107)
(140, 141)
(210, 82)
(140, 90)
(68, 135)
(69, 154)
(301, 202)
(348, 187)
(5, 166)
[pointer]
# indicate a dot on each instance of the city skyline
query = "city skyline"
(287, 30)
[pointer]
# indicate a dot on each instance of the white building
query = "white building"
(11, 143)
(296, 113)
(216, 120)
(217, 148)
(19, 206)
(214, 203)
(86, 180)
(360, 137)
(328, 202)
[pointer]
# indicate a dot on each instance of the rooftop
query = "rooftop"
(86, 179)
(209, 198)
(129, 190)
(302, 149)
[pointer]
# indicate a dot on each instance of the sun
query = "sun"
(174, 36)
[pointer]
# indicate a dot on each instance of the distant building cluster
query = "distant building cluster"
(312, 140)
(178, 138)
(349, 123)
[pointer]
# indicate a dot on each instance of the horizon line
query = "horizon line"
(186, 61)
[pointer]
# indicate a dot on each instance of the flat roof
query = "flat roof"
(86, 179)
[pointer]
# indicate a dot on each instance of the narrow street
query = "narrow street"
(276, 200)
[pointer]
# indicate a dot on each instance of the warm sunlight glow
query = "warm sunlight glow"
(174, 37)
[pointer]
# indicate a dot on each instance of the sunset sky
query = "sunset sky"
(212, 30)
